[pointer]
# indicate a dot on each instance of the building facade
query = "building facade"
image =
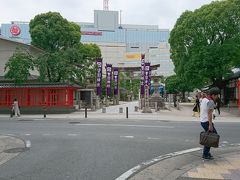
(120, 44)
(7, 49)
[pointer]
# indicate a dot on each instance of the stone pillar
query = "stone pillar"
(107, 102)
(169, 102)
(146, 108)
(121, 110)
(156, 106)
(117, 100)
(104, 110)
(97, 102)
(129, 97)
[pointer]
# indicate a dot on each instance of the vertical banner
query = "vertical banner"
(147, 74)
(99, 77)
(115, 77)
(142, 74)
(108, 79)
(149, 79)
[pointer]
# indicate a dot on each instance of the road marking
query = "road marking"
(72, 134)
(130, 137)
(28, 144)
(137, 168)
(126, 125)
(224, 142)
(27, 134)
(151, 138)
(47, 134)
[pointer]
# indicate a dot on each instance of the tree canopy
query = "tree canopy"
(19, 66)
(174, 84)
(51, 32)
(205, 43)
(73, 64)
(65, 58)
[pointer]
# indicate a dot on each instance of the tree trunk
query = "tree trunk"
(183, 96)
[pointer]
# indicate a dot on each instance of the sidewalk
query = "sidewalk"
(190, 166)
(10, 147)
(112, 112)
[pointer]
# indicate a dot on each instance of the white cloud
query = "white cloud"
(158, 12)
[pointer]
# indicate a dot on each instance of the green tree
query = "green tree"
(73, 64)
(18, 66)
(205, 43)
(174, 84)
(51, 32)
(65, 58)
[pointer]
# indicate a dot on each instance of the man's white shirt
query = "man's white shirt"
(206, 104)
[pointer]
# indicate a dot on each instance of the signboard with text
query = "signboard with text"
(147, 78)
(142, 74)
(108, 79)
(115, 78)
(99, 77)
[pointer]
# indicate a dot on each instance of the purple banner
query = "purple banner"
(150, 76)
(108, 79)
(115, 77)
(99, 77)
(142, 74)
(147, 73)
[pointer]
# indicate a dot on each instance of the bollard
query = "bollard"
(120, 110)
(85, 112)
(44, 112)
(103, 110)
(136, 108)
(126, 112)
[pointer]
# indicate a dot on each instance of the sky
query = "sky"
(163, 13)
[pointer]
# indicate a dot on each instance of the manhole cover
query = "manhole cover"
(16, 150)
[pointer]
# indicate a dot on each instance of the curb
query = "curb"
(145, 168)
(12, 147)
(133, 171)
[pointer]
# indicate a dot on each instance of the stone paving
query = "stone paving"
(223, 168)
(10, 147)
(190, 166)
(112, 112)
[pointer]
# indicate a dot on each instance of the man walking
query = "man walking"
(206, 117)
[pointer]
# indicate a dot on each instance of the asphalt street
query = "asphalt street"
(97, 149)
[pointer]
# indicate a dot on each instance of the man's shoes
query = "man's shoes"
(208, 157)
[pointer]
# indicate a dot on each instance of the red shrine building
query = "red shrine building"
(32, 95)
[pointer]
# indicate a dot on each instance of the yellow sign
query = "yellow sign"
(133, 56)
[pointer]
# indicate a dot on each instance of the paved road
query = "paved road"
(94, 149)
